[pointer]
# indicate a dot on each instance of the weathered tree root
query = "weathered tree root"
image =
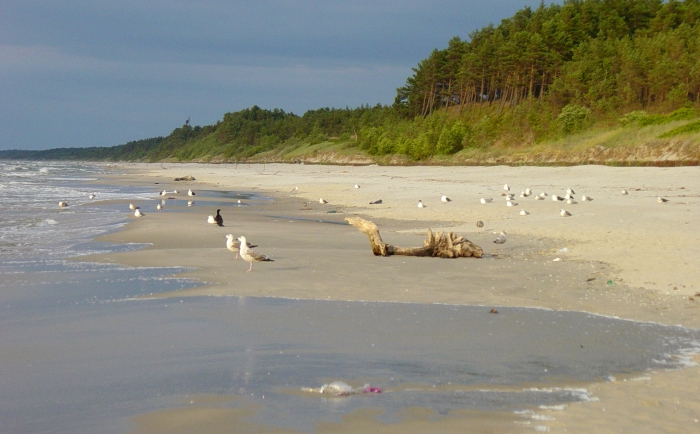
(439, 244)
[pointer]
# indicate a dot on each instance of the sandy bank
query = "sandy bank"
(627, 256)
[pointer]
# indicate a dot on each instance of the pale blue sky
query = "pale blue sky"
(102, 73)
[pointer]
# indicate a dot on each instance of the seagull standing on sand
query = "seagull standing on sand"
(556, 198)
(571, 202)
(565, 213)
(357, 186)
(445, 199)
(486, 200)
(420, 204)
(585, 198)
(506, 188)
(543, 195)
(624, 192)
(661, 200)
(570, 191)
(523, 212)
(528, 192)
(211, 220)
(322, 201)
(251, 255)
(234, 245)
(509, 203)
(138, 213)
(132, 206)
(295, 189)
(539, 198)
(190, 192)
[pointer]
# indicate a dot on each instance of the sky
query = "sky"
(101, 73)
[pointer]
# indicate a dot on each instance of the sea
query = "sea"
(84, 348)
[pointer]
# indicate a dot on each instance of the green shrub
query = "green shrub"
(574, 118)
(693, 127)
(633, 117)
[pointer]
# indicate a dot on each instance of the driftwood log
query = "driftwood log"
(438, 244)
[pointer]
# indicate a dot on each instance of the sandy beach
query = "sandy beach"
(627, 256)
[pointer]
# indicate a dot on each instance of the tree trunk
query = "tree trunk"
(438, 245)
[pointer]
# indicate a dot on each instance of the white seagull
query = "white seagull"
(92, 196)
(190, 202)
(322, 201)
(420, 204)
(357, 186)
(556, 198)
(138, 213)
(523, 212)
(543, 194)
(571, 202)
(190, 192)
(585, 198)
(234, 245)
(539, 198)
(251, 255)
(661, 200)
(506, 188)
(211, 220)
(295, 189)
(159, 207)
(501, 238)
(509, 203)
(570, 191)
(528, 192)
(445, 199)
(624, 192)
(62, 204)
(564, 213)
(486, 200)
(163, 193)
(132, 206)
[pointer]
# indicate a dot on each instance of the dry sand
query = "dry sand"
(622, 255)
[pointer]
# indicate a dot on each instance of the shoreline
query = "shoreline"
(603, 244)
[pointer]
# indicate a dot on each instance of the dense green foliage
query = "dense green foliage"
(539, 75)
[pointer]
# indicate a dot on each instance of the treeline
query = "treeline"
(608, 55)
(539, 75)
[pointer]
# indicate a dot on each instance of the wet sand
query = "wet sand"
(626, 256)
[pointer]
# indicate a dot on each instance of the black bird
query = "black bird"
(218, 219)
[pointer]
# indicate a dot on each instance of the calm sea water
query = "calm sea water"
(81, 353)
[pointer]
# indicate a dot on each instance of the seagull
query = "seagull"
(501, 238)
(564, 213)
(661, 200)
(239, 201)
(295, 189)
(211, 220)
(234, 245)
(510, 196)
(539, 198)
(190, 192)
(420, 204)
(445, 199)
(486, 200)
(159, 207)
(357, 186)
(163, 193)
(528, 192)
(479, 224)
(376, 202)
(218, 219)
(509, 203)
(555, 197)
(523, 212)
(522, 193)
(585, 198)
(506, 188)
(543, 194)
(92, 196)
(570, 191)
(190, 202)
(138, 213)
(571, 202)
(568, 196)
(132, 206)
(175, 192)
(251, 255)
(63, 204)
(322, 201)
(624, 192)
